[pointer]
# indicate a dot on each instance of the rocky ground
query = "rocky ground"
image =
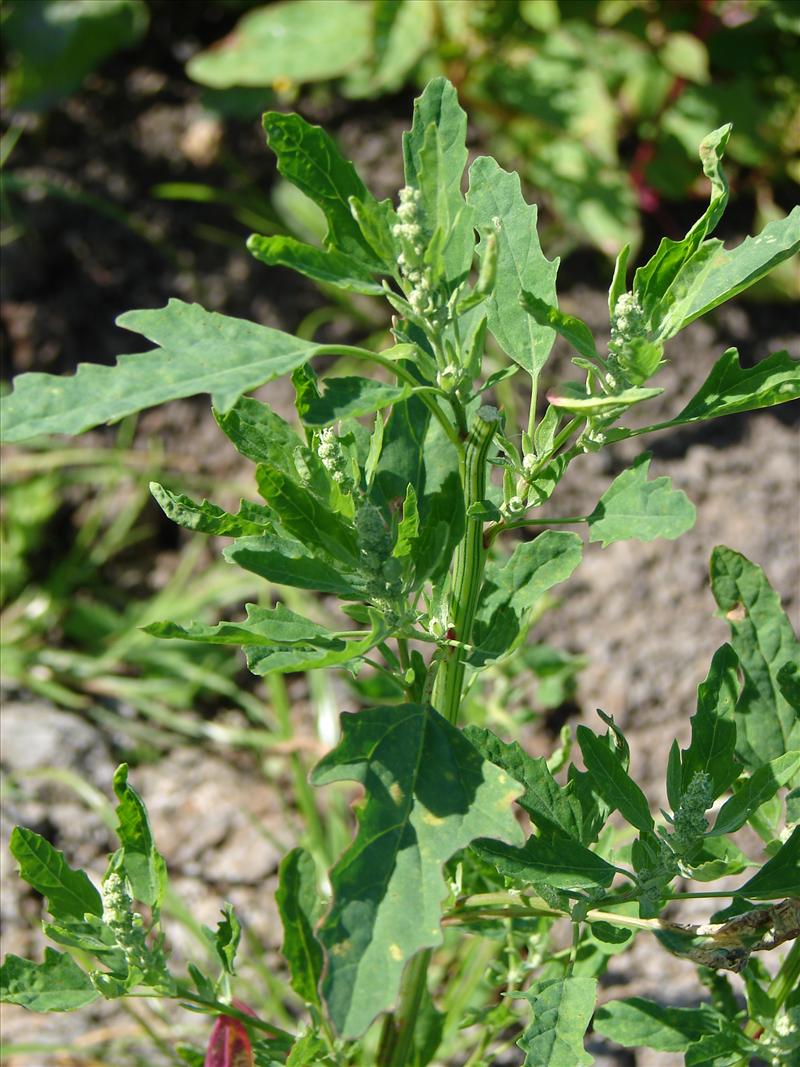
(642, 614)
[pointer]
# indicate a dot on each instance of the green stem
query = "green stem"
(784, 982)
(397, 1036)
(468, 564)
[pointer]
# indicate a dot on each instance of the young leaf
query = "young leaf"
(69, 893)
(780, 876)
(434, 157)
(310, 159)
(206, 517)
(571, 329)
(258, 433)
(762, 637)
(229, 1044)
(500, 208)
(58, 984)
(227, 938)
(510, 590)
(730, 388)
(562, 1009)
(322, 265)
(298, 902)
(428, 794)
(639, 1023)
(713, 739)
(200, 352)
(306, 516)
(574, 397)
(555, 860)
(141, 861)
(612, 781)
(349, 398)
(757, 790)
(634, 508)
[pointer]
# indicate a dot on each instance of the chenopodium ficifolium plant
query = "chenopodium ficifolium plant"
(402, 521)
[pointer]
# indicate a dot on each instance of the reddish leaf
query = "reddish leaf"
(229, 1045)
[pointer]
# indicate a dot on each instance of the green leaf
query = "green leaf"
(307, 517)
(755, 791)
(349, 398)
(500, 208)
(307, 1051)
(227, 938)
(200, 352)
(434, 158)
(555, 860)
(141, 861)
(574, 397)
(69, 893)
(310, 159)
(634, 508)
(716, 274)
(206, 517)
(299, 902)
(767, 725)
(554, 809)
(511, 590)
(58, 984)
(612, 781)
(428, 793)
(301, 41)
(729, 1049)
(730, 388)
(408, 527)
(287, 562)
(571, 329)
(713, 739)
(562, 1010)
(328, 267)
(639, 1023)
(780, 876)
(258, 433)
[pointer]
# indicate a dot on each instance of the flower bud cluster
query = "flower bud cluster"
(409, 232)
(627, 321)
(690, 823)
(334, 460)
(127, 924)
(375, 546)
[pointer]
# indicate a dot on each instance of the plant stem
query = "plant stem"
(398, 1030)
(468, 564)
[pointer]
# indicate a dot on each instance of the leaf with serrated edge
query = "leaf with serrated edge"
(573, 396)
(713, 739)
(142, 863)
(310, 159)
(428, 794)
(69, 892)
(500, 208)
(200, 352)
(780, 875)
(298, 902)
(757, 790)
(763, 639)
(322, 265)
(612, 781)
(562, 1009)
(639, 1023)
(634, 508)
(287, 562)
(349, 397)
(206, 517)
(511, 589)
(57, 984)
(730, 388)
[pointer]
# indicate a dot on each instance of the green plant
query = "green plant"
(403, 522)
(599, 105)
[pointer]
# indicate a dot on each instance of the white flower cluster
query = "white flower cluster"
(126, 923)
(627, 321)
(333, 459)
(408, 231)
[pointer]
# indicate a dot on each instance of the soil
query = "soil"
(642, 614)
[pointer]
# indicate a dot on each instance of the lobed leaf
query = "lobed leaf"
(199, 352)
(298, 903)
(562, 1009)
(428, 793)
(634, 508)
(501, 209)
(227, 938)
(288, 562)
(730, 388)
(69, 892)
(349, 397)
(327, 266)
(767, 723)
(57, 984)
(208, 518)
(755, 791)
(511, 590)
(554, 859)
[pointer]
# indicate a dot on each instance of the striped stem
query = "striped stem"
(468, 564)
